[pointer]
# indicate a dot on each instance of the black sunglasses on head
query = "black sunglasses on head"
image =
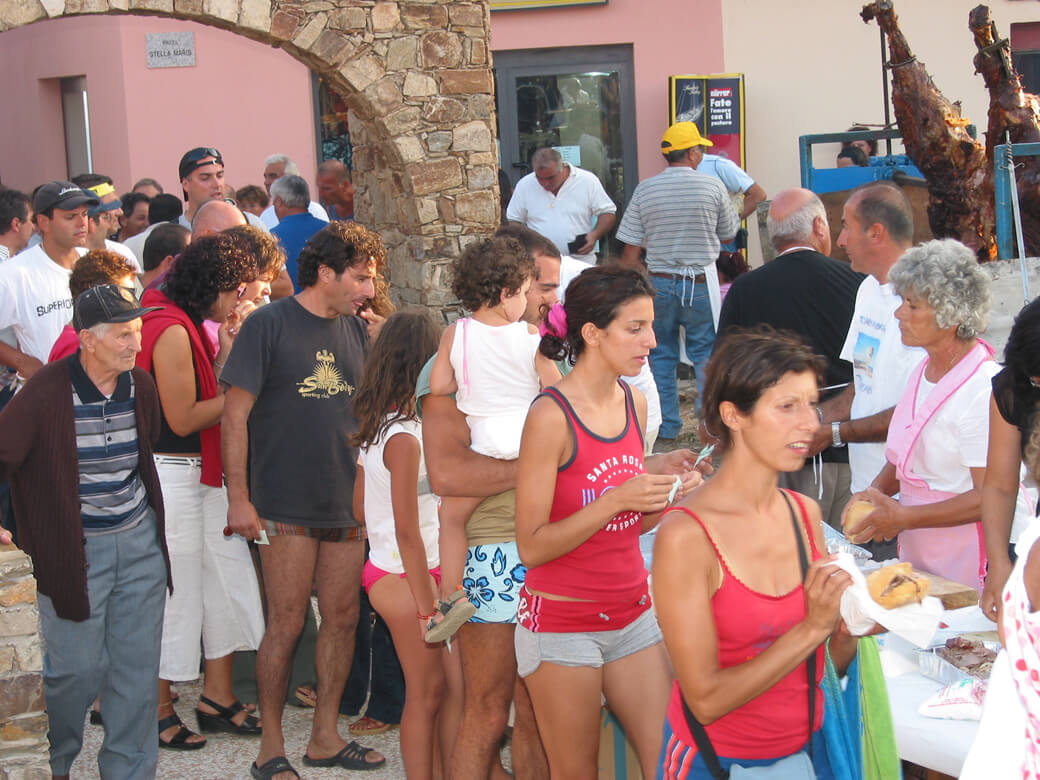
(201, 153)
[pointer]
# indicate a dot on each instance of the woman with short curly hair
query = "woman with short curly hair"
(217, 598)
(936, 445)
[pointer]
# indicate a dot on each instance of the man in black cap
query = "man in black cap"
(34, 286)
(201, 172)
(77, 447)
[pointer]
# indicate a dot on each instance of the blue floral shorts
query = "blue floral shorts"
(492, 579)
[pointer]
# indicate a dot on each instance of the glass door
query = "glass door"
(579, 101)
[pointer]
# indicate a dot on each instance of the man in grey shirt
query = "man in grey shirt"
(682, 217)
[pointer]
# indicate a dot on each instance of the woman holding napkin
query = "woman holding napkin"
(937, 439)
(744, 614)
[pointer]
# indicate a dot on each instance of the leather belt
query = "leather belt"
(698, 278)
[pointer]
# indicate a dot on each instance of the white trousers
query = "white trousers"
(216, 597)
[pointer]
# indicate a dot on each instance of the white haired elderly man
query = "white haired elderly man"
(77, 444)
(806, 292)
(275, 167)
(290, 196)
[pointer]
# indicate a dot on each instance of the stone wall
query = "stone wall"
(416, 75)
(23, 721)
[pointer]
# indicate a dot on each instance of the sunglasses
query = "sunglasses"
(201, 153)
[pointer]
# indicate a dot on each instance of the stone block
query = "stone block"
(122, 5)
(442, 110)
(419, 85)
(434, 176)
(481, 177)
(20, 591)
(384, 96)
(439, 141)
(333, 47)
(21, 694)
(409, 148)
(153, 5)
(466, 82)
(36, 770)
(385, 17)
(480, 106)
(481, 158)
(478, 52)
(255, 15)
(362, 72)
(18, 621)
(404, 121)
(7, 659)
(51, 7)
(427, 210)
(441, 49)
(25, 729)
(467, 14)
(188, 7)
(348, 19)
(479, 207)
(447, 209)
(283, 25)
(401, 53)
(471, 137)
(86, 6)
(13, 562)
(310, 32)
(28, 652)
(424, 17)
(226, 10)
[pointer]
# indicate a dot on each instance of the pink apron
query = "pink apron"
(958, 552)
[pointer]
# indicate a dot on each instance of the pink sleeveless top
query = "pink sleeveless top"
(606, 570)
(774, 723)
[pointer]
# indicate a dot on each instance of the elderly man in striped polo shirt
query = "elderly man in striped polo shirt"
(682, 217)
(77, 444)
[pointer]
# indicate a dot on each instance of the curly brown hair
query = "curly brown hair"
(339, 245)
(206, 268)
(488, 269)
(270, 257)
(96, 267)
(386, 392)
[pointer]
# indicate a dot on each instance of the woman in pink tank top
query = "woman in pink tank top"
(585, 627)
(738, 621)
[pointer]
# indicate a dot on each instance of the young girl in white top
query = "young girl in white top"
(490, 361)
(392, 497)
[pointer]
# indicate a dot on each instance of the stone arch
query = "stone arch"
(417, 78)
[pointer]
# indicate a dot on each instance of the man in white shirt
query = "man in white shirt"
(877, 228)
(564, 203)
(16, 222)
(34, 286)
(202, 178)
(275, 167)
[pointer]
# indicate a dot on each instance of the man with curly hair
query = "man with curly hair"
(289, 471)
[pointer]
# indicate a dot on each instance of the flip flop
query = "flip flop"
(305, 695)
(352, 756)
(366, 727)
(457, 609)
(269, 769)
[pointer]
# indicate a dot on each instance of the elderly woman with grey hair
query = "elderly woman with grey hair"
(937, 439)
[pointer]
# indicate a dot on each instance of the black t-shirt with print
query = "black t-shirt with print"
(303, 371)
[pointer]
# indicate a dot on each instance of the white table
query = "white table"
(936, 744)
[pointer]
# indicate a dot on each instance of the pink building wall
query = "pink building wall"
(668, 37)
(246, 99)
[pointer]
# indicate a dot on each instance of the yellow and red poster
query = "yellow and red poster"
(715, 103)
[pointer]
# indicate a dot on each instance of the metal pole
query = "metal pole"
(1017, 214)
(884, 90)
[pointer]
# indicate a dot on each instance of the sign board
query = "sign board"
(570, 154)
(516, 5)
(170, 50)
(715, 104)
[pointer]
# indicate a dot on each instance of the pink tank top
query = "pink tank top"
(774, 723)
(608, 568)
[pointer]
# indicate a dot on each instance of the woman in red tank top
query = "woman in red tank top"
(738, 622)
(583, 498)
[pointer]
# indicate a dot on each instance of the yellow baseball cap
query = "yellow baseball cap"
(682, 135)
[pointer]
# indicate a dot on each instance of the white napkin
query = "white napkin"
(916, 623)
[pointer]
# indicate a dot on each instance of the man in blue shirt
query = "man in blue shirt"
(291, 196)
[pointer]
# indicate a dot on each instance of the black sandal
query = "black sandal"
(223, 719)
(269, 769)
(178, 741)
(352, 756)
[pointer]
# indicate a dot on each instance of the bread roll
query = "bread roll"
(855, 515)
(897, 585)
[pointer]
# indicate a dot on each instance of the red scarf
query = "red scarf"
(155, 324)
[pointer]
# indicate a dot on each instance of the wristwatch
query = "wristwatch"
(836, 435)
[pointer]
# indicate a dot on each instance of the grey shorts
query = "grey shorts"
(584, 648)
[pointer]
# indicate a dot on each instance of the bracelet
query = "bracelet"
(218, 365)
(836, 434)
(421, 616)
